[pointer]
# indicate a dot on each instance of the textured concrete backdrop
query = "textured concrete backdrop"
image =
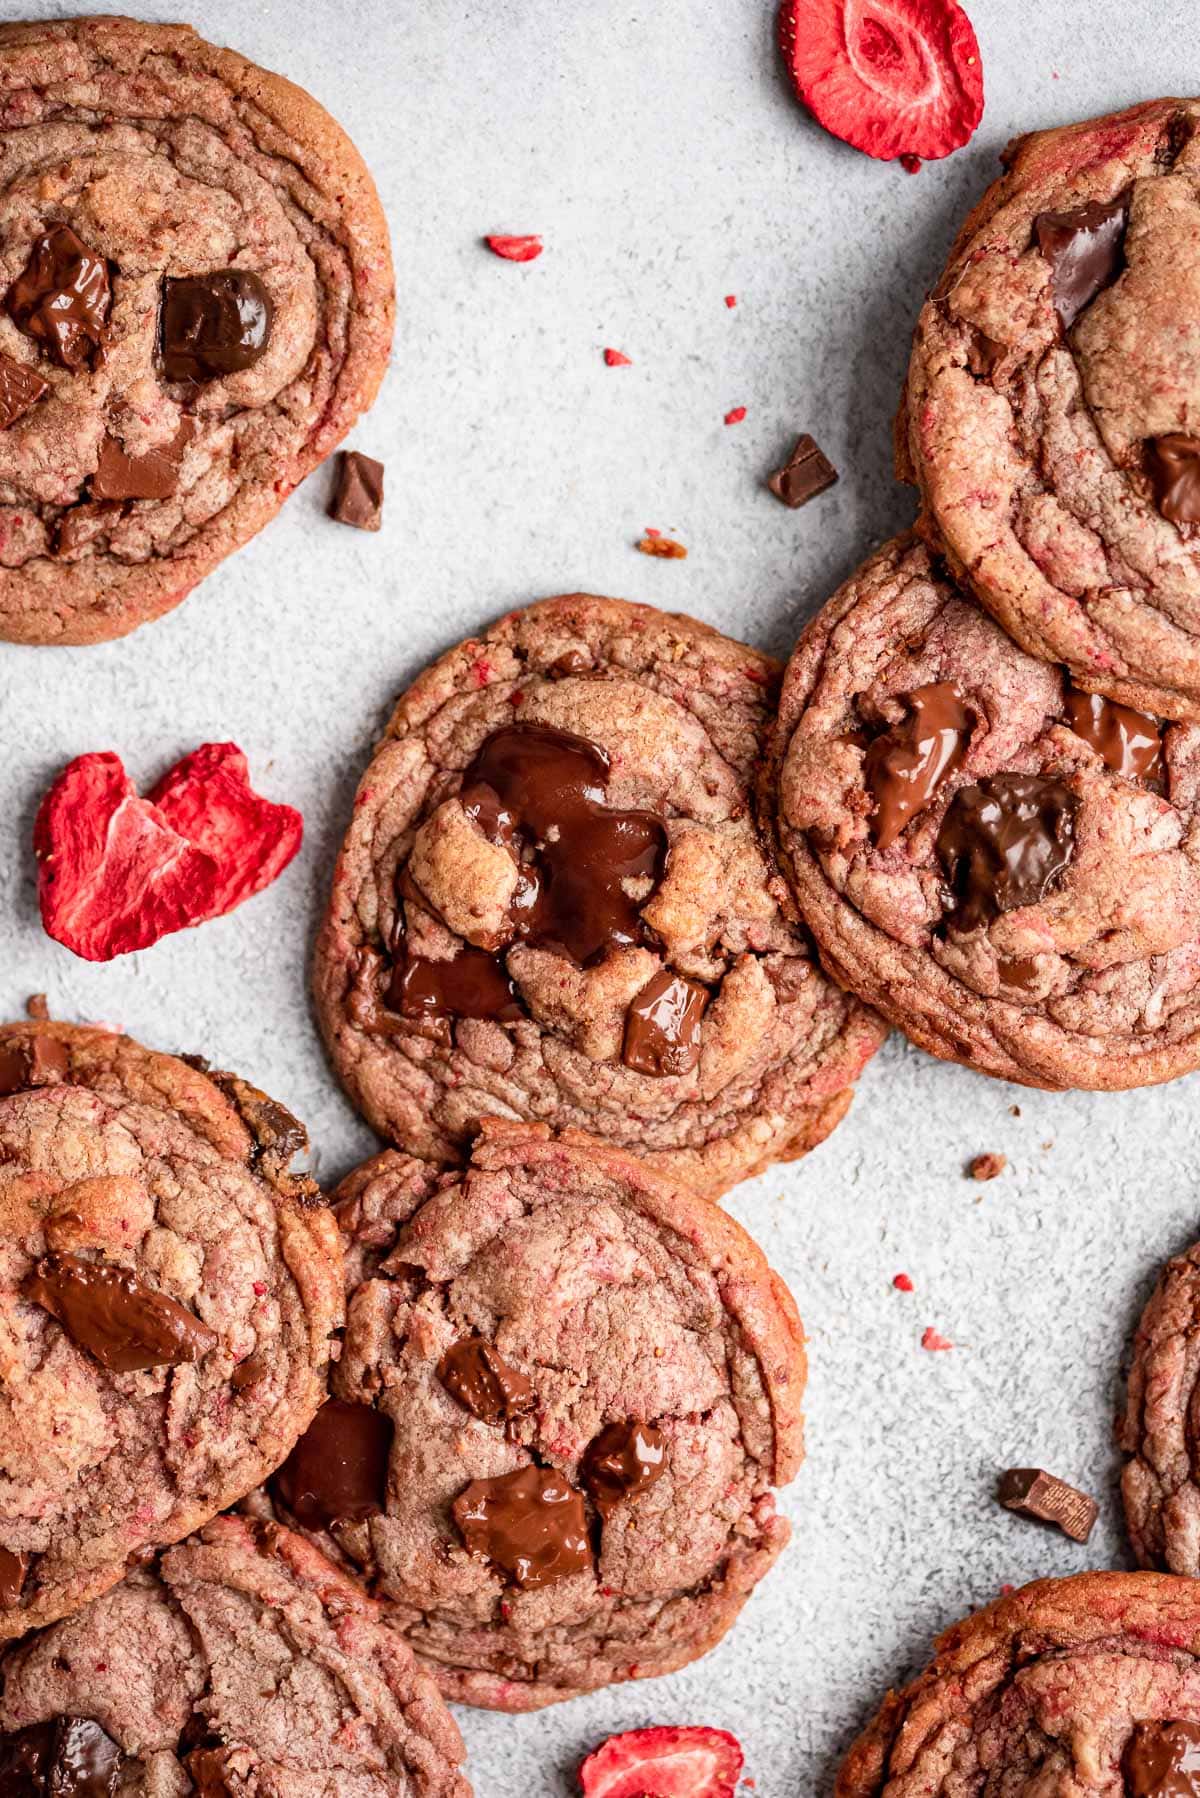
(655, 145)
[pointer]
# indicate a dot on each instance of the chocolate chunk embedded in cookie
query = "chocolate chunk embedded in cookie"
(553, 904)
(1084, 1685)
(1052, 403)
(1007, 868)
(169, 1291)
(196, 301)
(591, 1500)
(240, 1662)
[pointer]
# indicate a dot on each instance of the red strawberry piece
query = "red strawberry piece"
(891, 77)
(116, 872)
(736, 416)
(515, 249)
(687, 1762)
(902, 1283)
(731, 300)
(617, 359)
(935, 1343)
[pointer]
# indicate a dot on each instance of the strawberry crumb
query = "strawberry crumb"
(661, 546)
(652, 531)
(902, 1283)
(260, 1286)
(617, 359)
(910, 164)
(515, 249)
(731, 300)
(935, 1343)
(736, 416)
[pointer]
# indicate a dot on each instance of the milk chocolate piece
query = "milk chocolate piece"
(1004, 842)
(13, 1568)
(207, 1767)
(1162, 1760)
(214, 325)
(531, 1524)
(32, 1061)
(1083, 249)
(662, 1026)
(807, 472)
(473, 985)
(622, 1462)
(337, 1472)
(152, 476)
(115, 1316)
(20, 390)
(1033, 1493)
(1173, 464)
(477, 1375)
(358, 496)
(1129, 742)
(62, 297)
(906, 766)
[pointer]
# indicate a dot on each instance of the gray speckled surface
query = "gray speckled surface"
(657, 149)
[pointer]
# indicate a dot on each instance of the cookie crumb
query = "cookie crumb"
(902, 1283)
(37, 1007)
(935, 1343)
(1014, 1111)
(986, 1167)
(661, 546)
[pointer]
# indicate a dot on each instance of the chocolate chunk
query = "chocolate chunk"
(80, 525)
(479, 1377)
(249, 1372)
(1083, 249)
(541, 792)
(26, 1756)
(65, 1757)
(906, 766)
(20, 389)
(531, 1524)
(1041, 1496)
(14, 1071)
(473, 985)
(358, 496)
(116, 1317)
(337, 1472)
(1130, 742)
(214, 325)
(152, 476)
(662, 1026)
(207, 1767)
(34, 1061)
(61, 298)
(13, 1568)
(622, 1462)
(1162, 1760)
(1022, 972)
(1004, 842)
(807, 472)
(1173, 464)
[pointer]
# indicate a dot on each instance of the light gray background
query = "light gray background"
(655, 145)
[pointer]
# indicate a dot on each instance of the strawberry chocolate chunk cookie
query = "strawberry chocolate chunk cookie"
(566, 1392)
(167, 1296)
(195, 305)
(1160, 1430)
(1054, 399)
(553, 904)
(1009, 868)
(242, 1662)
(1068, 1688)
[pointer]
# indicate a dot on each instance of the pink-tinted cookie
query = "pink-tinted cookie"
(1160, 1429)
(1053, 400)
(1009, 869)
(168, 1293)
(567, 1390)
(553, 905)
(196, 302)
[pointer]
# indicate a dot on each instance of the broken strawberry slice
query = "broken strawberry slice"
(515, 249)
(891, 77)
(686, 1762)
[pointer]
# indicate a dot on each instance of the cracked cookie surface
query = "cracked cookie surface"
(241, 1661)
(1160, 1429)
(593, 1378)
(1087, 1687)
(1007, 868)
(168, 1292)
(1052, 393)
(208, 196)
(674, 1011)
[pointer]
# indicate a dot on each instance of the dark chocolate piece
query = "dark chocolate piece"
(1162, 1760)
(1173, 464)
(1130, 742)
(807, 472)
(20, 389)
(13, 1568)
(207, 1767)
(1083, 249)
(116, 1317)
(214, 325)
(478, 1376)
(358, 496)
(531, 1524)
(1034, 1493)
(662, 1026)
(152, 476)
(906, 766)
(622, 1462)
(65, 1757)
(62, 297)
(473, 985)
(337, 1472)
(1004, 842)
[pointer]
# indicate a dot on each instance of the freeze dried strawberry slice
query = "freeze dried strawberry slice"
(116, 872)
(891, 77)
(664, 1763)
(515, 249)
